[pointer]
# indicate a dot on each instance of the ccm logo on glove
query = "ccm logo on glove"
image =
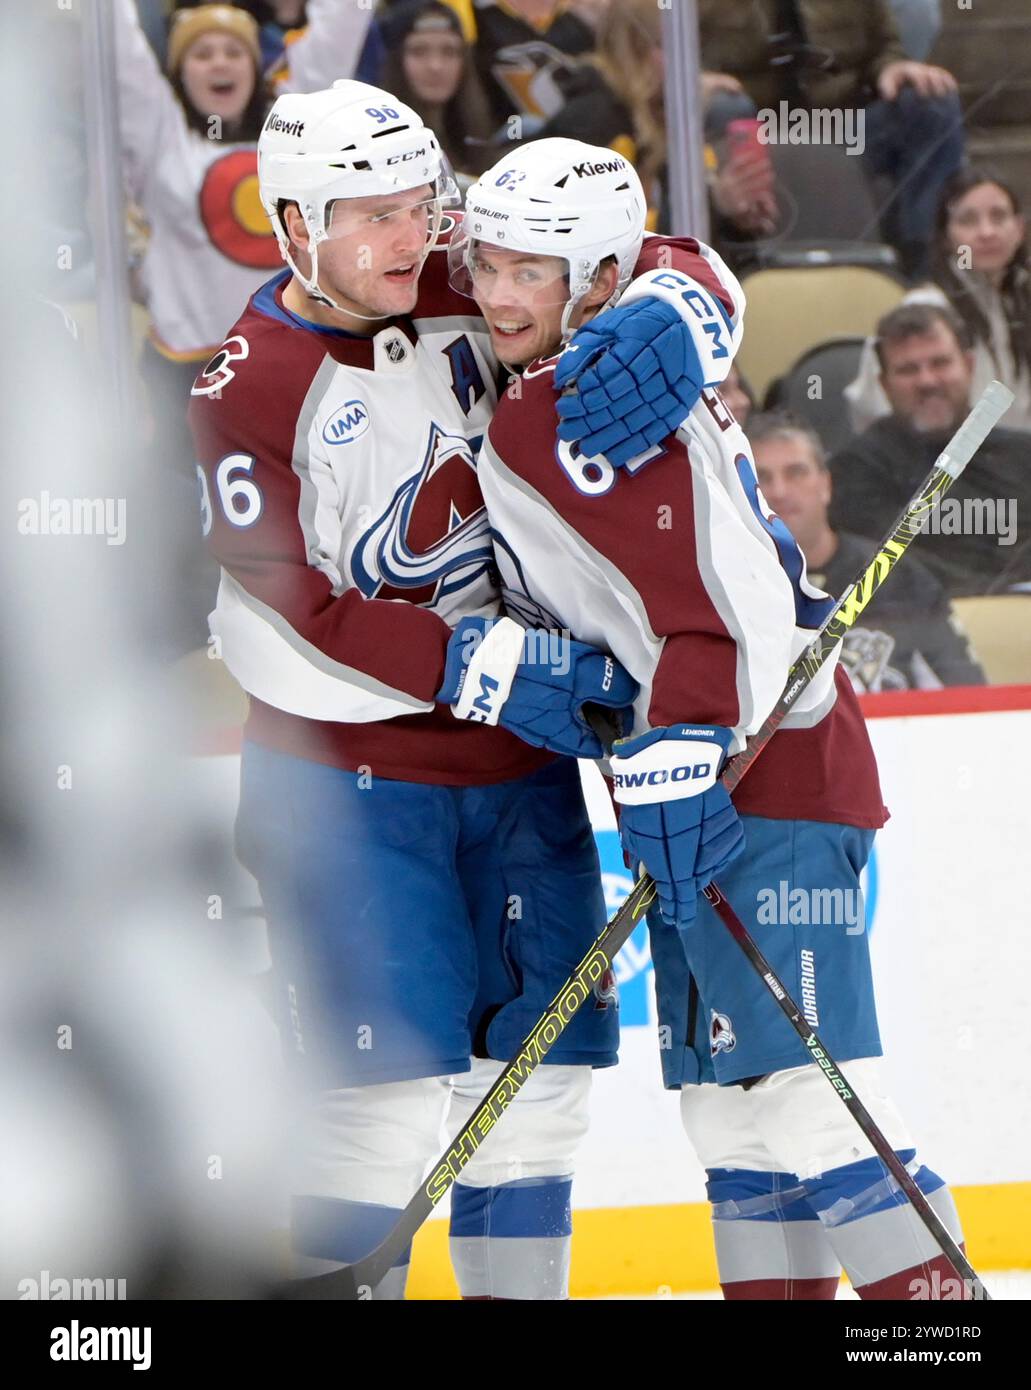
(485, 707)
(483, 665)
(535, 682)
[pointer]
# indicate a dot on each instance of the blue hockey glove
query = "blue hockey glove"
(638, 373)
(675, 817)
(535, 683)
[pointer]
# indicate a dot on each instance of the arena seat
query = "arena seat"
(804, 175)
(999, 628)
(832, 365)
(791, 311)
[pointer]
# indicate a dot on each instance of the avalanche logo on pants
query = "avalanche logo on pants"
(721, 1034)
(606, 991)
(434, 536)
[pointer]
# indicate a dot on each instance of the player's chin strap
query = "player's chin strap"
(356, 1281)
(584, 288)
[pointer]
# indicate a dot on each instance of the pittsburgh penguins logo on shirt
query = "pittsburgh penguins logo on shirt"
(232, 214)
(528, 73)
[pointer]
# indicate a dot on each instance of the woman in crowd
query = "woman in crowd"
(189, 143)
(738, 396)
(980, 268)
(429, 66)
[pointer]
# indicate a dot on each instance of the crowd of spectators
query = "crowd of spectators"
(195, 83)
(979, 268)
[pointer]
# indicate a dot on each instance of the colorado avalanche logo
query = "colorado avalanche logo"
(434, 537)
(606, 991)
(515, 592)
(721, 1033)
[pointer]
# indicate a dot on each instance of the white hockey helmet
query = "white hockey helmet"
(555, 197)
(350, 141)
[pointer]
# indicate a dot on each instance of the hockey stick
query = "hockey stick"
(356, 1281)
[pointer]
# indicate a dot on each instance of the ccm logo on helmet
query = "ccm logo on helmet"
(610, 166)
(661, 775)
(404, 158)
(275, 122)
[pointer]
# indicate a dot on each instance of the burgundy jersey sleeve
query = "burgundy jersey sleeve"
(693, 258)
(288, 635)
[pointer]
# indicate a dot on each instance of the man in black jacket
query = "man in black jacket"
(909, 636)
(978, 541)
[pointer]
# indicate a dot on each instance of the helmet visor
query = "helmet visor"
(424, 204)
(492, 273)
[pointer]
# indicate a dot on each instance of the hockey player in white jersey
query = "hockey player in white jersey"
(416, 867)
(673, 562)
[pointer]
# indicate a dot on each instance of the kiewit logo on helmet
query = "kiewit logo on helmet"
(610, 166)
(275, 122)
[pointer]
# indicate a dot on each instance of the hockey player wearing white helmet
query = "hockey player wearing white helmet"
(561, 220)
(552, 236)
(674, 562)
(355, 227)
(416, 859)
(413, 864)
